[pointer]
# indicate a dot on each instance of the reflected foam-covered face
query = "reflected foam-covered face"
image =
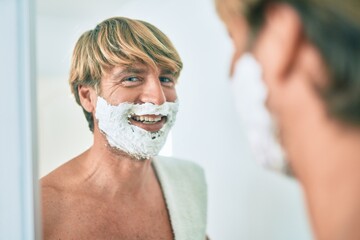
(115, 122)
(137, 108)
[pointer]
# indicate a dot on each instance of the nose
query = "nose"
(153, 92)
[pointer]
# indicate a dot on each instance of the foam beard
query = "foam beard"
(250, 95)
(114, 123)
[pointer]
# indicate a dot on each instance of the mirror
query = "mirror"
(243, 199)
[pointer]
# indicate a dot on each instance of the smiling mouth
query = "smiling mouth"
(151, 123)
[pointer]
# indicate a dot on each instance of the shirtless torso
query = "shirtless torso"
(84, 206)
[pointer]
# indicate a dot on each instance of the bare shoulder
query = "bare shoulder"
(51, 196)
(52, 188)
(54, 198)
(56, 185)
(54, 195)
(51, 205)
(61, 178)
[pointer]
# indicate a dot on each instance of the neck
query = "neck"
(332, 184)
(114, 173)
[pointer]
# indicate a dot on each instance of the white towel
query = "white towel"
(184, 187)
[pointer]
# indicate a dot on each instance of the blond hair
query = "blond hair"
(119, 41)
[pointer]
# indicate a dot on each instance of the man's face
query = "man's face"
(134, 107)
(140, 84)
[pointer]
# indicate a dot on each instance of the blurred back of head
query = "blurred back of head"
(334, 28)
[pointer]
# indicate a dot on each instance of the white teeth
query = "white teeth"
(147, 119)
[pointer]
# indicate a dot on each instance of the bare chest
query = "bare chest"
(107, 222)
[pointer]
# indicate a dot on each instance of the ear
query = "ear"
(278, 41)
(87, 96)
(239, 33)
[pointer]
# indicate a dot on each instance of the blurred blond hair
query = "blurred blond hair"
(333, 26)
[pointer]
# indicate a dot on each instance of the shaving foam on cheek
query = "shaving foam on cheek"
(250, 93)
(114, 123)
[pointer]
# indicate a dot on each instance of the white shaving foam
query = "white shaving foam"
(250, 93)
(137, 142)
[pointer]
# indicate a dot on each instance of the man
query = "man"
(308, 53)
(123, 75)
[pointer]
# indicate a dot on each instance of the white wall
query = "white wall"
(245, 202)
(18, 142)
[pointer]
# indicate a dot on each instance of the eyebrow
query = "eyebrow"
(167, 72)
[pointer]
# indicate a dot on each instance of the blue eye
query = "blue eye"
(166, 81)
(132, 79)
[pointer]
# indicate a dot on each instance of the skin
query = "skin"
(104, 193)
(322, 150)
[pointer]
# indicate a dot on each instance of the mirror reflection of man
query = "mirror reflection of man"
(308, 54)
(123, 74)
